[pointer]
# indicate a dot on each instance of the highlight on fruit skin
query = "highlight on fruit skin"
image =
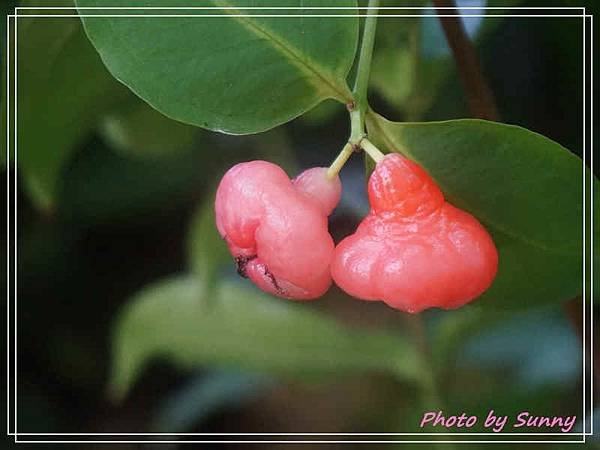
(277, 229)
(414, 250)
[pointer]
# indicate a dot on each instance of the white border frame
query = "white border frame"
(10, 395)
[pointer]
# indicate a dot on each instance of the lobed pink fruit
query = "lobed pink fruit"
(414, 250)
(276, 228)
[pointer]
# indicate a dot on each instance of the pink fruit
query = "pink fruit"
(276, 228)
(414, 250)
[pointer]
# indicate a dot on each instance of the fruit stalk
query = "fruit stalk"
(371, 150)
(339, 161)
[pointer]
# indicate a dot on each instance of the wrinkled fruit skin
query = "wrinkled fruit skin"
(276, 228)
(413, 250)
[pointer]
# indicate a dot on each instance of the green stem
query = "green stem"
(339, 162)
(371, 150)
(357, 126)
(364, 62)
(359, 106)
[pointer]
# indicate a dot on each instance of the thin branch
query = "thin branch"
(479, 95)
(366, 53)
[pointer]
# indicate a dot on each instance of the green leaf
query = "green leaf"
(239, 327)
(143, 132)
(525, 188)
(240, 73)
(6, 8)
(63, 90)
(207, 251)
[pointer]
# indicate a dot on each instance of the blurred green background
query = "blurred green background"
(114, 207)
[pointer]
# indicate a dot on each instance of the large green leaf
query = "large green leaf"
(525, 188)
(240, 327)
(63, 89)
(240, 73)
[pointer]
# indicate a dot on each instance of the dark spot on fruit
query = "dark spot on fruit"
(271, 277)
(241, 262)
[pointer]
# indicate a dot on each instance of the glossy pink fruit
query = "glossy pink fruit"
(413, 250)
(276, 228)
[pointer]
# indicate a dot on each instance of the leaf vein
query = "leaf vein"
(315, 72)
